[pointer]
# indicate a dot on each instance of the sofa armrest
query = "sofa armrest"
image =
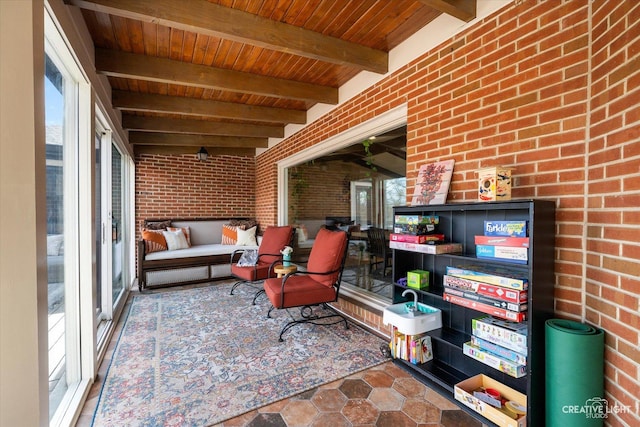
(141, 255)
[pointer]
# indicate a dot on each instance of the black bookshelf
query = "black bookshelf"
(461, 222)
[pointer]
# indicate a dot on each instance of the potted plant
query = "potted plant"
(286, 256)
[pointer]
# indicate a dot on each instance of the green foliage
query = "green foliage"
(367, 143)
(299, 184)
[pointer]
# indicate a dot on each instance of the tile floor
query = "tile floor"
(385, 395)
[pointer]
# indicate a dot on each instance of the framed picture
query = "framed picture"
(432, 185)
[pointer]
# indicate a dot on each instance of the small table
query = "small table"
(281, 270)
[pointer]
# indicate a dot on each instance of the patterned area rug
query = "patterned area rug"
(197, 357)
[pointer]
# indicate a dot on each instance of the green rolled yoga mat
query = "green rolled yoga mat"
(574, 374)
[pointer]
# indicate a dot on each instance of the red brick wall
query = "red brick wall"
(172, 186)
(612, 249)
(553, 89)
(324, 190)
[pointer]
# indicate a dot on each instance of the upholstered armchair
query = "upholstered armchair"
(317, 286)
(274, 239)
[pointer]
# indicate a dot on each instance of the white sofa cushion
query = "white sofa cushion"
(197, 250)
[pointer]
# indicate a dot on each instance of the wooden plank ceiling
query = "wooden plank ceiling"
(229, 74)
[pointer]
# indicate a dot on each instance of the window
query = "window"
(89, 194)
(68, 123)
(57, 142)
(62, 138)
(395, 194)
(341, 178)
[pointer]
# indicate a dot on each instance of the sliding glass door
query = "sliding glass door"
(117, 224)
(110, 201)
(60, 151)
(89, 194)
(65, 118)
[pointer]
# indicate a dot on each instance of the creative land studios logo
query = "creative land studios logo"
(596, 407)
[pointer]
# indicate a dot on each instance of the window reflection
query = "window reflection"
(353, 188)
(54, 134)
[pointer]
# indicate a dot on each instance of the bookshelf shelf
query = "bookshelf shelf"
(461, 222)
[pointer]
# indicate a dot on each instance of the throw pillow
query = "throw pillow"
(249, 258)
(230, 234)
(247, 237)
(157, 225)
(54, 243)
(154, 241)
(186, 230)
(175, 240)
(303, 234)
(244, 223)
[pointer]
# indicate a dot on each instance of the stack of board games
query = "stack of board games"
(418, 233)
(499, 344)
(491, 290)
(504, 241)
(417, 229)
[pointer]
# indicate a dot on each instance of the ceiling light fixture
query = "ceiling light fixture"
(203, 154)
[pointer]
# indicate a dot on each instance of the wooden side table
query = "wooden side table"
(281, 270)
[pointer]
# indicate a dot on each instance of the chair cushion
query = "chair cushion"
(273, 240)
(326, 255)
(299, 291)
(251, 273)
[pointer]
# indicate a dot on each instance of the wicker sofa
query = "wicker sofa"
(206, 259)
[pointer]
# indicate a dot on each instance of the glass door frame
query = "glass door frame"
(356, 186)
(80, 361)
(109, 307)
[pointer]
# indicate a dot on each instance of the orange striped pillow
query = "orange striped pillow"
(154, 241)
(230, 234)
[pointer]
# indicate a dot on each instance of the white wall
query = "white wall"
(23, 278)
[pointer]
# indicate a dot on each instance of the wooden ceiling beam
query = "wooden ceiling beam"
(213, 151)
(215, 20)
(183, 139)
(152, 68)
(135, 101)
(164, 124)
(461, 9)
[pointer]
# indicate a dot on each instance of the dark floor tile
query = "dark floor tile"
(394, 419)
(458, 418)
(305, 395)
(331, 419)
(355, 389)
(267, 420)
